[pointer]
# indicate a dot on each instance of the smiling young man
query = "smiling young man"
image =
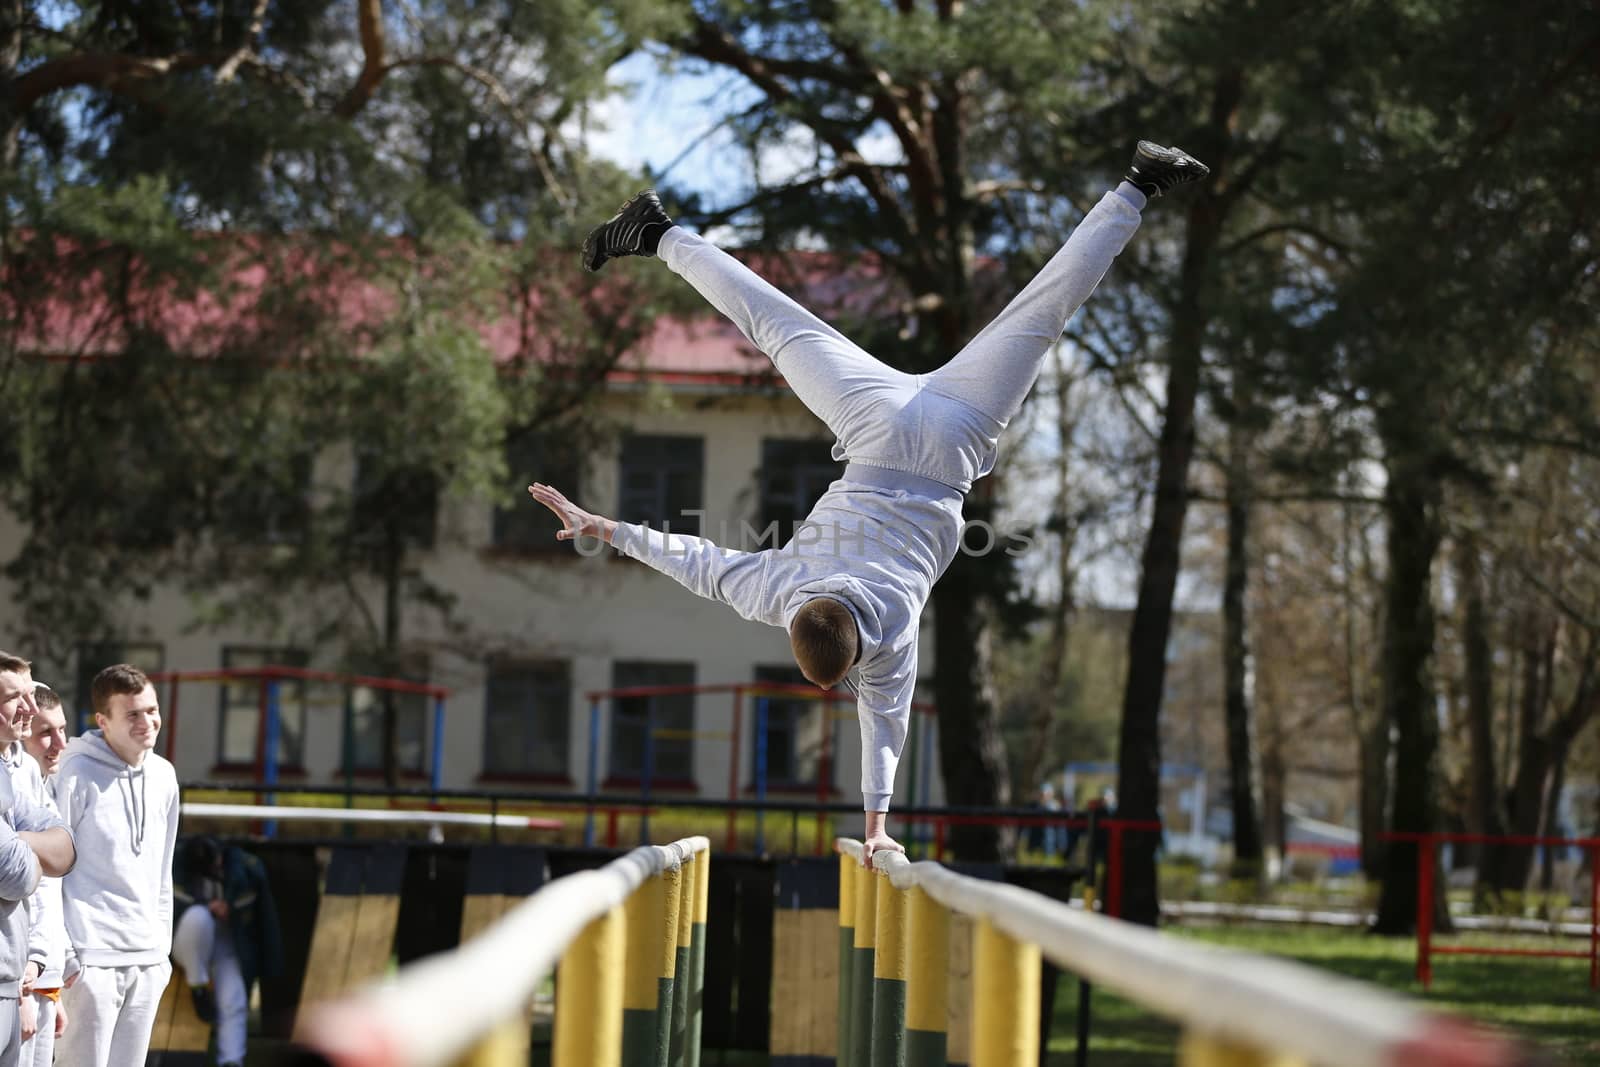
(120, 799)
(33, 842)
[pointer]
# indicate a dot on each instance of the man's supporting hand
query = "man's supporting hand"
(575, 521)
(877, 839)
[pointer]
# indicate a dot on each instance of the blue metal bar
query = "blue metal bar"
(269, 760)
(436, 773)
(761, 772)
(594, 772)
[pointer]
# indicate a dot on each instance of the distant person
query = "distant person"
(47, 941)
(227, 936)
(849, 588)
(33, 842)
(121, 801)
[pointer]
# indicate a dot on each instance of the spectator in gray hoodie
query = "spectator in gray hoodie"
(33, 842)
(121, 801)
(47, 939)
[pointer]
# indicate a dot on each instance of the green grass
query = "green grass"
(1543, 1001)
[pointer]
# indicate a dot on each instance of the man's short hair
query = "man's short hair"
(117, 678)
(45, 698)
(14, 664)
(824, 639)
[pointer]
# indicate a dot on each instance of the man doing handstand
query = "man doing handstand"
(850, 586)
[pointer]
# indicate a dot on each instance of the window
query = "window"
(529, 707)
(385, 498)
(526, 526)
(95, 656)
(365, 743)
(794, 733)
(660, 481)
(794, 475)
(240, 704)
(635, 719)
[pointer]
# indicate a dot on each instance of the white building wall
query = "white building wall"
(590, 612)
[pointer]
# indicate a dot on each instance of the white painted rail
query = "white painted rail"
(439, 1008)
(1229, 995)
(296, 813)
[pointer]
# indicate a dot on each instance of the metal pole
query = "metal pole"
(594, 771)
(1594, 916)
(761, 773)
(733, 770)
(270, 756)
(824, 774)
(437, 773)
(1425, 909)
(649, 767)
(171, 717)
(1085, 988)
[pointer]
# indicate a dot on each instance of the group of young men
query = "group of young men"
(88, 828)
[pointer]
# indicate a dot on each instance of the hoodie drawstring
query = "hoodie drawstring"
(136, 809)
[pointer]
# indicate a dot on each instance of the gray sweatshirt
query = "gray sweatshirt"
(19, 867)
(117, 902)
(876, 550)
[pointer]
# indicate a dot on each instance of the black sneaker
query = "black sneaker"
(1156, 170)
(635, 230)
(205, 1003)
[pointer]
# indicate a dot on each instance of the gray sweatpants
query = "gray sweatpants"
(111, 1013)
(944, 425)
(10, 1033)
(40, 1050)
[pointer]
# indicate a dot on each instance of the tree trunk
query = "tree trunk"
(1483, 809)
(1509, 865)
(1041, 730)
(1274, 780)
(1236, 652)
(1411, 503)
(1139, 754)
(971, 753)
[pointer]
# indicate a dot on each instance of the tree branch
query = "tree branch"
(230, 65)
(373, 68)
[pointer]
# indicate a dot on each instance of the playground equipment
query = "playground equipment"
(899, 924)
(920, 741)
(269, 717)
(629, 939)
(1427, 851)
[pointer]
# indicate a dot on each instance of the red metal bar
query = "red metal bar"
(170, 718)
(261, 732)
(1114, 868)
(733, 769)
(1425, 910)
(1490, 950)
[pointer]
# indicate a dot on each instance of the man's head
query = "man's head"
(16, 698)
(49, 735)
(825, 641)
(125, 708)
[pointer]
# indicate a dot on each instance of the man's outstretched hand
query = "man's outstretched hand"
(575, 521)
